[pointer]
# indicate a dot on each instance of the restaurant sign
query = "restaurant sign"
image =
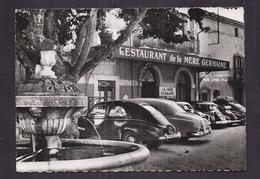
(164, 56)
(167, 92)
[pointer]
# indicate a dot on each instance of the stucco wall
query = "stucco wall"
(228, 46)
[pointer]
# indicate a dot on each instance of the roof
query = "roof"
(226, 20)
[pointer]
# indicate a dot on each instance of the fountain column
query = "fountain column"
(45, 105)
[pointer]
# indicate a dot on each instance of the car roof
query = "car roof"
(182, 102)
(165, 106)
(117, 102)
(163, 120)
(205, 103)
(138, 100)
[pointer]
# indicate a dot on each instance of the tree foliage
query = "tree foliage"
(38, 29)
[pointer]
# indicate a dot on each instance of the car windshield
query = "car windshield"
(188, 107)
(213, 107)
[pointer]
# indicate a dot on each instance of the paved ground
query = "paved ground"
(224, 149)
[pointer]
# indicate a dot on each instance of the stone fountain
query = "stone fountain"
(44, 109)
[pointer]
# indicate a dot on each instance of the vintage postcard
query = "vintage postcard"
(130, 89)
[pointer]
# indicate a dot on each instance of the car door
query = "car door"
(115, 118)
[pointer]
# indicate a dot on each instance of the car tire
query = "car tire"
(130, 136)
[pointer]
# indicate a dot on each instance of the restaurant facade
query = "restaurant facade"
(209, 65)
(149, 72)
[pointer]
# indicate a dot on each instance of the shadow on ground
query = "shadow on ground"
(192, 142)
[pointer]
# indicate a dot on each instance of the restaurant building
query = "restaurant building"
(209, 65)
(149, 72)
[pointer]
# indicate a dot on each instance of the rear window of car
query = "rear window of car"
(117, 111)
(156, 115)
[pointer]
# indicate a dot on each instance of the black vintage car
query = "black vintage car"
(128, 121)
(217, 118)
(226, 110)
(237, 109)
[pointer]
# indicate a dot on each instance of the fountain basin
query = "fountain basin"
(114, 162)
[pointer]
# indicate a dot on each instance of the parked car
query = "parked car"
(237, 109)
(130, 121)
(188, 108)
(189, 125)
(217, 118)
(226, 110)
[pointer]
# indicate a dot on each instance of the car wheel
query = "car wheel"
(130, 136)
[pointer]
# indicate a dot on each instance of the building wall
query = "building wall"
(228, 46)
(126, 72)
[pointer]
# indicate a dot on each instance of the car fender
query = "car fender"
(146, 132)
(184, 126)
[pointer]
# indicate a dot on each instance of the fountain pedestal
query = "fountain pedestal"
(45, 105)
(44, 110)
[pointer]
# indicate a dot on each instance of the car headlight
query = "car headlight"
(170, 130)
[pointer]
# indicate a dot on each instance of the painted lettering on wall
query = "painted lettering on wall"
(163, 56)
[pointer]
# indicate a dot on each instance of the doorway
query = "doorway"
(216, 93)
(149, 87)
(106, 90)
(183, 90)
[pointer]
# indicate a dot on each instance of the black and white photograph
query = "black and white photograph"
(130, 89)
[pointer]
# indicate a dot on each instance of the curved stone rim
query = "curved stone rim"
(93, 164)
(51, 101)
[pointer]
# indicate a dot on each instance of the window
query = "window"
(106, 89)
(236, 32)
(216, 93)
(204, 96)
(237, 63)
(117, 111)
(183, 89)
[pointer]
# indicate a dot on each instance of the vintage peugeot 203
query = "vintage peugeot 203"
(189, 125)
(130, 121)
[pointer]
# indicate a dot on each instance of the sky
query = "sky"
(116, 24)
(235, 14)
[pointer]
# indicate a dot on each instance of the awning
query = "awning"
(170, 57)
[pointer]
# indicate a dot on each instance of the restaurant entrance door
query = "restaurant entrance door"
(149, 87)
(183, 87)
